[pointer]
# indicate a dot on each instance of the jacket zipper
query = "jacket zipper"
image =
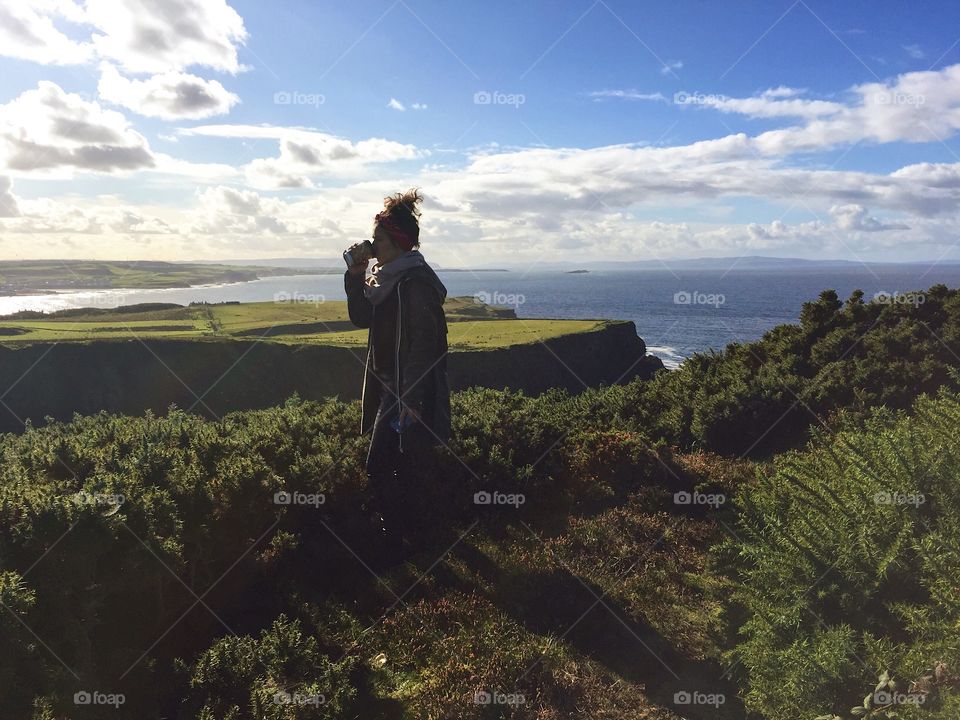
(396, 359)
(366, 366)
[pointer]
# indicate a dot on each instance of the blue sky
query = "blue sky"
(641, 130)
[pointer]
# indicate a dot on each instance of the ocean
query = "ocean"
(676, 312)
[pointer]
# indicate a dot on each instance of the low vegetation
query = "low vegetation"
(681, 548)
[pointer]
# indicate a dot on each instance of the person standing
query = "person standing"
(405, 400)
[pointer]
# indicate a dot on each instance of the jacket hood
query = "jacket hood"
(425, 272)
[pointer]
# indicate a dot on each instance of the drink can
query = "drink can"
(363, 251)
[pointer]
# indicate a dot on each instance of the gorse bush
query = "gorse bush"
(762, 397)
(156, 557)
(280, 676)
(848, 561)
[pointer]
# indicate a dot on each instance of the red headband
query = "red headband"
(401, 238)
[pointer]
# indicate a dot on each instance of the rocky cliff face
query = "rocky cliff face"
(215, 377)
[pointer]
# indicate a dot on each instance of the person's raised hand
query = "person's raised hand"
(358, 268)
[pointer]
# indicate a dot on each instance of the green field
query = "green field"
(471, 326)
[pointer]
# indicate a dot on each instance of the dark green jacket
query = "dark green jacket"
(419, 328)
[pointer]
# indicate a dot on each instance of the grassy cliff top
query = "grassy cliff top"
(471, 325)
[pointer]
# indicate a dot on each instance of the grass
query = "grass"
(471, 326)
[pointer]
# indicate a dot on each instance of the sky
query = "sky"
(560, 130)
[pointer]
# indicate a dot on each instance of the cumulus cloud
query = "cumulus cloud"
(855, 217)
(8, 202)
(914, 107)
(49, 128)
(395, 104)
(172, 95)
(142, 36)
(54, 217)
(232, 211)
(28, 31)
(145, 36)
(307, 153)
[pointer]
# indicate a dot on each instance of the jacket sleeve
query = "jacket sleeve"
(358, 307)
(420, 328)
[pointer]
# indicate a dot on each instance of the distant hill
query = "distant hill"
(749, 262)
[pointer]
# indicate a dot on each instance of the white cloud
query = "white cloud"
(669, 67)
(854, 217)
(49, 128)
(914, 107)
(599, 95)
(914, 51)
(228, 210)
(771, 104)
(395, 104)
(142, 36)
(8, 202)
(172, 95)
(28, 32)
(147, 36)
(55, 217)
(305, 154)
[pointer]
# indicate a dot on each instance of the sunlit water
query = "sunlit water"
(723, 307)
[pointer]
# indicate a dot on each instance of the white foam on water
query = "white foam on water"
(670, 356)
